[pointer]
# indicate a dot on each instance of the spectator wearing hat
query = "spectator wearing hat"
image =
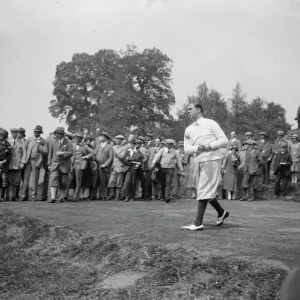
(15, 165)
(253, 163)
(282, 169)
(230, 171)
(82, 153)
(5, 152)
(168, 159)
(248, 135)
(277, 145)
(295, 154)
(178, 184)
(59, 164)
(104, 159)
(21, 134)
(33, 161)
(134, 159)
(91, 180)
(118, 170)
(234, 140)
(151, 185)
(265, 147)
(149, 142)
(242, 169)
(205, 138)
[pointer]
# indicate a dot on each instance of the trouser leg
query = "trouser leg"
(277, 184)
(169, 179)
(148, 187)
(216, 205)
(36, 172)
(45, 185)
(27, 173)
(284, 184)
(200, 212)
(162, 179)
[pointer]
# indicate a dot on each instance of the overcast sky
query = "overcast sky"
(254, 42)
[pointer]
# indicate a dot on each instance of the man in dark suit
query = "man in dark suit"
(134, 159)
(151, 189)
(15, 165)
(265, 147)
(104, 157)
(59, 164)
(282, 171)
(33, 161)
(81, 154)
(253, 163)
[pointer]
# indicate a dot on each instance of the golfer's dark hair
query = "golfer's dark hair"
(198, 105)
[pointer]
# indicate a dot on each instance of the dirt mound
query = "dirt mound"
(45, 261)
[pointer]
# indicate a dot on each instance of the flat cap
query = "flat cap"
(262, 133)
(121, 137)
(252, 142)
(59, 130)
(21, 129)
(140, 138)
(169, 141)
(294, 136)
(14, 130)
(248, 133)
(104, 133)
(280, 132)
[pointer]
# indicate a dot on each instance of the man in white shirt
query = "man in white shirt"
(205, 138)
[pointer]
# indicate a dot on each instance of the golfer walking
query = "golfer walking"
(204, 138)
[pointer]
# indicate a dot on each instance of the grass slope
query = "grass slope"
(43, 261)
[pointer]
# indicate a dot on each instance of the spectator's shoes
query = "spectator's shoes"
(110, 198)
(222, 219)
(51, 201)
(167, 200)
(192, 227)
(126, 199)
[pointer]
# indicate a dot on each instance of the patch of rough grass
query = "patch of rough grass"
(45, 261)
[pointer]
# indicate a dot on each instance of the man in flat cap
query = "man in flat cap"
(118, 170)
(79, 162)
(21, 134)
(179, 176)
(205, 138)
(168, 159)
(33, 161)
(252, 164)
(59, 164)
(134, 159)
(151, 186)
(282, 171)
(248, 135)
(15, 165)
(5, 151)
(265, 147)
(104, 158)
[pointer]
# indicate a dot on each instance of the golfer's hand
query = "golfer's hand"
(21, 166)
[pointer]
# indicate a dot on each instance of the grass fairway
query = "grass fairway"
(117, 250)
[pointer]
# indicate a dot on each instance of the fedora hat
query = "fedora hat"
(60, 130)
(121, 137)
(252, 142)
(104, 133)
(38, 128)
(294, 136)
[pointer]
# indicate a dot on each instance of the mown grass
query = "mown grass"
(45, 261)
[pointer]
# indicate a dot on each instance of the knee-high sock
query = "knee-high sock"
(200, 212)
(216, 205)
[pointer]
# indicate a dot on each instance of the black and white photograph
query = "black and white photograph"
(150, 150)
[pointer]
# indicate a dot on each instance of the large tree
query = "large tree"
(117, 92)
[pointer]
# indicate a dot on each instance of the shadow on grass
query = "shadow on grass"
(44, 261)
